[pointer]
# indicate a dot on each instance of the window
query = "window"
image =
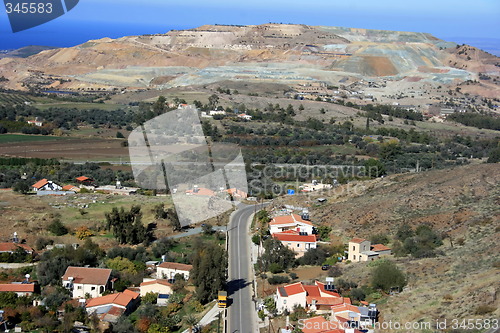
(354, 257)
(93, 288)
(298, 245)
(79, 287)
(354, 248)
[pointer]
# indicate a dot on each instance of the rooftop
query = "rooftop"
(288, 219)
(357, 240)
(176, 266)
(289, 237)
(41, 183)
(84, 275)
(122, 299)
(18, 287)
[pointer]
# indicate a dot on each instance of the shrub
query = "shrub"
(278, 279)
(275, 268)
(293, 276)
(57, 227)
(83, 232)
(358, 294)
(387, 275)
(256, 239)
(484, 309)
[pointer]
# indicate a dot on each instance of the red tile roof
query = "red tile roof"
(18, 287)
(69, 188)
(357, 240)
(320, 325)
(287, 237)
(379, 247)
(176, 266)
(122, 299)
(12, 247)
(345, 307)
(84, 275)
(83, 178)
(325, 300)
(236, 192)
(312, 291)
(158, 281)
(293, 289)
(288, 219)
(41, 183)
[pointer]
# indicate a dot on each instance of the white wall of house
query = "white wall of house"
(93, 309)
(169, 273)
(288, 302)
(299, 247)
(80, 290)
(301, 227)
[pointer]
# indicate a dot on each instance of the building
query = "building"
(162, 287)
(299, 243)
(361, 250)
(290, 222)
(71, 188)
(310, 297)
(237, 194)
(13, 247)
(244, 116)
(38, 123)
(319, 324)
(83, 281)
(21, 289)
(168, 270)
(314, 186)
(84, 180)
(110, 307)
(45, 185)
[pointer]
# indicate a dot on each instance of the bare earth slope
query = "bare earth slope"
(290, 54)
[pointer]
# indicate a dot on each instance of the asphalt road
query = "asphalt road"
(242, 317)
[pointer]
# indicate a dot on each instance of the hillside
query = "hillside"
(461, 203)
(269, 53)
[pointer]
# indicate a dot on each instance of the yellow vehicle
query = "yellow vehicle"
(222, 299)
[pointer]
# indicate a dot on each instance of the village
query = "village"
(318, 303)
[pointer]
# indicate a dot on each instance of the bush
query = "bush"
(484, 309)
(256, 239)
(57, 227)
(293, 276)
(379, 239)
(278, 279)
(275, 268)
(387, 275)
(358, 294)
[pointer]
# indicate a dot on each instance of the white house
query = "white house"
(45, 185)
(87, 281)
(296, 242)
(290, 222)
(245, 116)
(162, 287)
(21, 289)
(361, 250)
(289, 296)
(217, 112)
(311, 297)
(168, 270)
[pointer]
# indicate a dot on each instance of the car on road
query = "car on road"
(325, 267)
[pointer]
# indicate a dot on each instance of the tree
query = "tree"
(159, 106)
(127, 226)
(21, 187)
(213, 100)
(191, 321)
(275, 253)
(57, 227)
(207, 228)
(150, 298)
(387, 275)
(324, 232)
(374, 168)
(120, 135)
(358, 294)
(209, 270)
(494, 155)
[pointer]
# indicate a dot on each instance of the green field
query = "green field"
(9, 98)
(9, 138)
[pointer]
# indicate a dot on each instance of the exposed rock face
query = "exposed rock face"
(271, 52)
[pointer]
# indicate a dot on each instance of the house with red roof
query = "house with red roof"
(71, 188)
(236, 193)
(168, 270)
(84, 180)
(7, 247)
(110, 307)
(200, 191)
(319, 324)
(21, 289)
(45, 185)
(290, 222)
(311, 297)
(84, 281)
(360, 249)
(297, 242)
